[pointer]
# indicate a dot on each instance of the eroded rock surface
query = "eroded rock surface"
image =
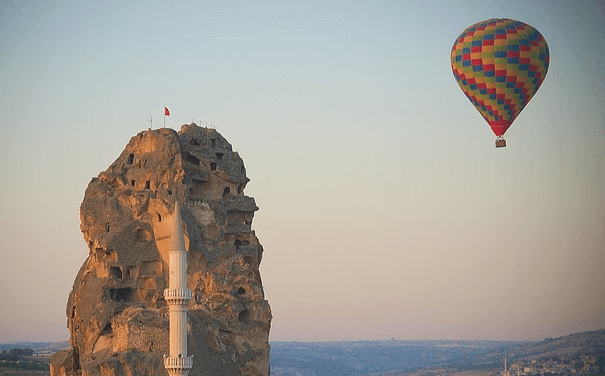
(117, 316)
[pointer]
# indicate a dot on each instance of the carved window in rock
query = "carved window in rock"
(159, 217)
(130, 158)
(213, 142)
(239, 243)
(219, 155)
(244, 316)
(212, 166)
(148, 184)
(133, 182)
(116, 272)
(192, 159)
(226, 192)
(129, 271)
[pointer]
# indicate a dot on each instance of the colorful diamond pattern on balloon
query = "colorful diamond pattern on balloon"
(499, 65)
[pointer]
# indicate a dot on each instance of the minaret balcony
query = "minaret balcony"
(178, 363)
(177, 296)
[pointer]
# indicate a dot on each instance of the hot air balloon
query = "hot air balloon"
(499, 65)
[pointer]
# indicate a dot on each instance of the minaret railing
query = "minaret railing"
(178, 363)
(177, 296)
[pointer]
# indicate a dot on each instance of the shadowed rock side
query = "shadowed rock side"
(117, 316)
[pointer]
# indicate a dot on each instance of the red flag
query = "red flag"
(166, 112)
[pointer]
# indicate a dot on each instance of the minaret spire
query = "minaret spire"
(177, 295)
(505, 366)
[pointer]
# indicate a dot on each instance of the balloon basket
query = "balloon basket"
(500, 142)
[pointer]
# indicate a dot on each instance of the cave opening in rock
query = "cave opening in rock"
(116, 272)
(143, 235)
(147, 184)
(130, 158)
(241, 291)
(239, 243)
(243, 316)
(126, 295)
(219, 155)
(160, 303)
(192, 159)
(226, 192)
(212, 166)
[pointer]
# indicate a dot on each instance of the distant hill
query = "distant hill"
(421, 358)
(364, 358)
(592, 342)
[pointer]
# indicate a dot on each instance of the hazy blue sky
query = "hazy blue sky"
(385, 209)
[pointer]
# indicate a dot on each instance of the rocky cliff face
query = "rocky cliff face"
(117, 316)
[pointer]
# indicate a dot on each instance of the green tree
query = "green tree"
(21, 352)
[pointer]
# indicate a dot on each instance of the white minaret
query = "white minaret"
(177, 295)
(505, 366)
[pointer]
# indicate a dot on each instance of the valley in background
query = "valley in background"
(575, 354)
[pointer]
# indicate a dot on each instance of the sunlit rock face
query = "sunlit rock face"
(117, 316)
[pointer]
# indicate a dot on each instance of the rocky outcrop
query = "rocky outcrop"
(117, 316)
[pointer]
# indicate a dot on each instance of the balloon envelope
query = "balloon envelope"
(499, 65)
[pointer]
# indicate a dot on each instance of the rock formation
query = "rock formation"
(117, 316)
